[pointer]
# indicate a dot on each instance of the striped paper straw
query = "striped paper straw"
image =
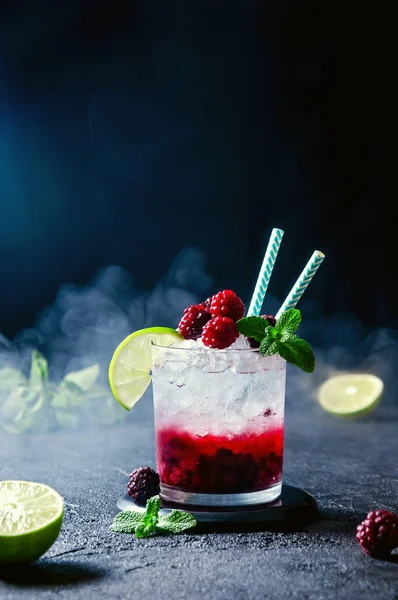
(265, 273)
(302, 282)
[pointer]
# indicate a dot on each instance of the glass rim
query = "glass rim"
(201, 348)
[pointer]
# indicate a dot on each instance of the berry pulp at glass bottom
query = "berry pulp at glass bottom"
(220, 464)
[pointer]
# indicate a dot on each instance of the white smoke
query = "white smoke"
(81, 329)
(343, 345)
(85, 324)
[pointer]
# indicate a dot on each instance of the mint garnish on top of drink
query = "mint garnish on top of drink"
(280, 339)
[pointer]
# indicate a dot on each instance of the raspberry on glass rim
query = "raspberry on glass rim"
(227, 304)
(214, 320)
(220, 332)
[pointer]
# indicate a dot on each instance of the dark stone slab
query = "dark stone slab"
(349, 467)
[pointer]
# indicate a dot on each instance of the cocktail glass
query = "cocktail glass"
(219, 425)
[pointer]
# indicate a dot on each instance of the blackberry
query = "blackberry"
(378, 533)
(143, 484)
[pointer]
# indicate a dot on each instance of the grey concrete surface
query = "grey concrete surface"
(350, 467)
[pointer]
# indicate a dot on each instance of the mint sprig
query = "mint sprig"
(151, 523)
(253, 327)
(35, 403)
(289, 321)
(280, 339)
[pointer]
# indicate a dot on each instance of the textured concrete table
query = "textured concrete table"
(350, 467)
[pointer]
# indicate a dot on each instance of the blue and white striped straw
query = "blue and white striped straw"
(302, 282)
(265, 273)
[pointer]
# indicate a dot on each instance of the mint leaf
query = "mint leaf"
(39, 399)
(152, 511)
(67, 420)
(253, 327)
(289, 321)
(176, 522)
(127, 521)
(38, 370)
(11, 378)
(269, 346)
(102, 406)
(144, 525)
(143, 531)
(14, 405)
(98, 392)
(84, 379)
(296, 351)
(60, 399)
(272, 333)
(19, 427)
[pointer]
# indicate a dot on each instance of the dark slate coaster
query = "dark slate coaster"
(293, 506)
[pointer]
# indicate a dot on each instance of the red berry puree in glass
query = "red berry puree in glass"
(220, 464)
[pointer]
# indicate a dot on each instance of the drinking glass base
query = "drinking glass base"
(172, 494)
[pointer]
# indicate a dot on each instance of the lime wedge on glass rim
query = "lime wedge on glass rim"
(351, 394)
(30, 520)
(129, 370)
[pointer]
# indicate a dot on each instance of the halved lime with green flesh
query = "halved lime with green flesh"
(350, 394)
(30, 520)
(129, 371)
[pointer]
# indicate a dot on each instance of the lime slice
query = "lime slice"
(129, 371)
(30, 520)
(351, 394)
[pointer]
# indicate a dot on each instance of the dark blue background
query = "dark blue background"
(131, 130)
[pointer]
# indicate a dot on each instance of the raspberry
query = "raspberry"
(227, 304)
(220, 332)
(271, 321)
(378, 533)
(143, 484)
(175, 476)
(193, 320)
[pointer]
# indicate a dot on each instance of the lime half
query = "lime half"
(129, 371)
(30, 520)
(351, 394)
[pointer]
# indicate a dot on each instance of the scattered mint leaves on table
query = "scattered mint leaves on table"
(280, 339)
(38, 371)
(34, 403)
(148, 523)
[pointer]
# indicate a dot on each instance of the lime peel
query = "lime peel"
(130, 367)
(30, 520)
(351, 394)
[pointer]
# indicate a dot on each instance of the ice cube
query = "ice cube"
(180, 382)
(240, 344)
(216, 362)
